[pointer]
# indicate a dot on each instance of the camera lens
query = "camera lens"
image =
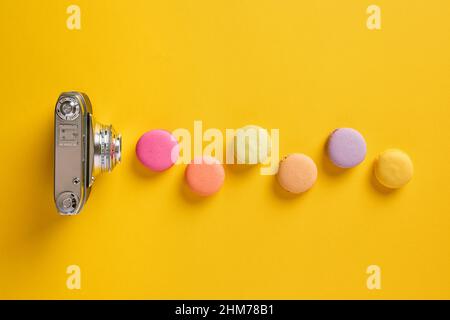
(107, 148)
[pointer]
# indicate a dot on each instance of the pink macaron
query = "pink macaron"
(158, 150)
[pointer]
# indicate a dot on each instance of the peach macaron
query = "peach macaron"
(297, 173)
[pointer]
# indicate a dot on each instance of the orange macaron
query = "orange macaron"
(205, 176)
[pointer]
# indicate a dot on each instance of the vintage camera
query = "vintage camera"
(84, 148)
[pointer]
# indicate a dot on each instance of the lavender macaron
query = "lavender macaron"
(346, 147)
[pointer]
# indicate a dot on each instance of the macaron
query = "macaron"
(205, 176)
(297, 173)
(393, 168)
(252, 145)
(346, 147)
(158, 150)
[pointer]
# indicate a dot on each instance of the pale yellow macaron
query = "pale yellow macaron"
(297, 173)
(252, 145)
(393, 168)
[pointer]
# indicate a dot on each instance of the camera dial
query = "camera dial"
(68, 108)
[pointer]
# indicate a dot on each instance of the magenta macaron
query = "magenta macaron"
(346, 147)
(158, 150)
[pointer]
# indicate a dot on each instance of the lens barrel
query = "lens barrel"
(107, 147)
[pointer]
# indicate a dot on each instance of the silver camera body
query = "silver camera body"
(84, 148)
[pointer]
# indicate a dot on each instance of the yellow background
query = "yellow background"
(305, 67)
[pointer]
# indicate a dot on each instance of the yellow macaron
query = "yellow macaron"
(393, 168)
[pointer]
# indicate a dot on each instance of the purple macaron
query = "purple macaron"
(346, 147)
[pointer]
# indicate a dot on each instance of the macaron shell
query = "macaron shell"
(346, 147)
(297, 173)
(205, 176)
(393, 168)
(158, 150)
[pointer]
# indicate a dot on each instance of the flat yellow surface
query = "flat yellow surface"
(304, 67)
